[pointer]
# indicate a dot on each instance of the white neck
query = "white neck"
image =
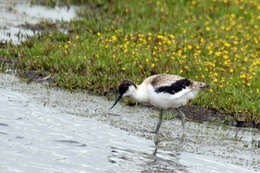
(139, 94)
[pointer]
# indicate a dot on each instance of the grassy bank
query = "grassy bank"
(212, 41)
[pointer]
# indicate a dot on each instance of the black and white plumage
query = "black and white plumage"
(163, 91)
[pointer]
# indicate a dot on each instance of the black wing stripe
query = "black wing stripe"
(174, 87)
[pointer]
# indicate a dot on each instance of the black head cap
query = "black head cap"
(123, 87)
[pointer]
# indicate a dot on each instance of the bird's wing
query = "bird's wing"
(174, 87)
(161, 80)
(169, 83)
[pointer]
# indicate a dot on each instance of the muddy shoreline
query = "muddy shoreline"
(76, 116)
(193, 112)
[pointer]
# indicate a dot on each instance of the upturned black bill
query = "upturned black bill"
(119, 97)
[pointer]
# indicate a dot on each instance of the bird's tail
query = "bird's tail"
(200, 85)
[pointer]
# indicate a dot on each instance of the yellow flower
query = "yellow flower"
(248, 84)
(235, 42)
(159, 36)
(228, 28)
(153, 65)
(215, 80)
(189, 47)
(226, 62)
(147, 60)
(172, 36)
(218, 53)
(227, 44)
(257, 90)
(98, 33)
(114, 38)
(193, 2)
(123, 68)
(66, 46)
(242, 76)
(202, 40)
(179, 52)
(231, 70)
(77, 37)
(162, 9)
(256, 41)
(207, 28)
(225, 56)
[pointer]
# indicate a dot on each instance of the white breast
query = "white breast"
(141, 94)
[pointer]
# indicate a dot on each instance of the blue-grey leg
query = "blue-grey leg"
(156, 139)
(159, 122)
(182, 122)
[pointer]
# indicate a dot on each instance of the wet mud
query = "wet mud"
(43, 126)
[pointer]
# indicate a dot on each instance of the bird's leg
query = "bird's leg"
(156, 139)
(182, 121)
(159, 122)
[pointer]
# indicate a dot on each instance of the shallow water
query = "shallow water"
(40, 138)
(14, 13)
(51, 130)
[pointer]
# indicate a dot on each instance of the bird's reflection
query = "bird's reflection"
(161, 161)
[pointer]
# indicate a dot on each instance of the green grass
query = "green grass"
(215, 42)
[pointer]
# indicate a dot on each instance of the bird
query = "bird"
(163, 91)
